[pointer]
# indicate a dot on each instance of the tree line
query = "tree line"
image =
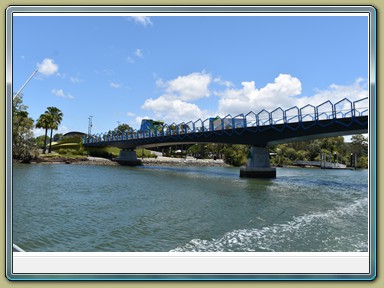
(335, 149)
(24, 144)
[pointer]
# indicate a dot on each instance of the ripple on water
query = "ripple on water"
(100, 208)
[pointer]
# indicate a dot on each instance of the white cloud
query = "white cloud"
(222, 82)
(41, 132)
(75, 79)
(174, 105)
(105, 72)
(357, 90)
(188, 88)
(139, 53)
(62, 129)
(348, 139)
(285, 92)
(139, 118)
(61, 75)
(142, 20)
(47, 67)
(161, 84)
(130, 60)
(38, 132)
(131, 114)
(60, 93)
(115, 85)
(279, 93)
(174, 110)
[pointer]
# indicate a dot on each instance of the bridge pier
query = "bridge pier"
(258, 165)
(128, 157)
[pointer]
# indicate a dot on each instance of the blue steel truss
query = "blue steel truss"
(293, 118)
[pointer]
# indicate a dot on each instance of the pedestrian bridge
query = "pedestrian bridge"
(257, 129)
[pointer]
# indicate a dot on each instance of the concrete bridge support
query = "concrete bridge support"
(258, 165)
(128, 157)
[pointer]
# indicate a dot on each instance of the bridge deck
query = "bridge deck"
(255, 135)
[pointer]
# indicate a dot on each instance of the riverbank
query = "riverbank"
(189, 161)
(159, 161)
(57, 159)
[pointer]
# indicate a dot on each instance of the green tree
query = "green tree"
(173, 129)
(302, 155)
(45, 122)
(56, 116)
(198, 150)
(290, 153)
(57, 137)
(333, 148)
(40, 141)
(217, 149)
(236, 154)
(122, 129)
(359, 147)
(23, 142)
(314, 149)
(362, 162)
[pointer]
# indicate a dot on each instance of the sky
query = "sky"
(121, 69)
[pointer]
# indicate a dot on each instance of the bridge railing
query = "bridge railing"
(278, 119)
(360, 107)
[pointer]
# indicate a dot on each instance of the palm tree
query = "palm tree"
(57, 116)
(45, 121)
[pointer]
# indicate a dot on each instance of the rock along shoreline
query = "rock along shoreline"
(159, 161)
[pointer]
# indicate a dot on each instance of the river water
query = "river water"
(151, 209)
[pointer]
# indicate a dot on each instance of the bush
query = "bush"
(147, 154)
(101, 153)
(69, 152)
(236, 155)
(75, 139)
(65, 146)
(362, 162)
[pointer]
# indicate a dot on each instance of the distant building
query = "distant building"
(218, 123)
(152, 125)
(74, 134)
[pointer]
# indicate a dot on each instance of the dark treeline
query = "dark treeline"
(334, 149)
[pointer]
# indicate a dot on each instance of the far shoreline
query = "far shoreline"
(159, 161)
(98, 161)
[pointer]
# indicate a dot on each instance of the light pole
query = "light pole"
(26, 82)
(90, 125)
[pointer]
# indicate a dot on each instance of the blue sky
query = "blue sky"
(181, 68)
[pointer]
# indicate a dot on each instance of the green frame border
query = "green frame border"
(372, 149)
